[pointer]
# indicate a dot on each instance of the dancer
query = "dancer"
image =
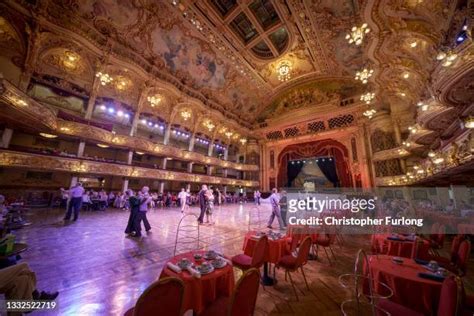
(209, 206)
(134, 203)
(202, 202)
(145, 202)
(182, 196)
(275, 202)
(75, 194)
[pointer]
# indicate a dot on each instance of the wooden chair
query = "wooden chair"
(243, 298)
(165, 295)
(291, 263)
(245, 262)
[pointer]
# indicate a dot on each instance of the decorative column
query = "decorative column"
(73, 181)
(163, 165)
(191, 142)
(141, 102)
(130, 157)
(124, 185)
(92, 97)
(166, 139)
(31, 57)
(162, 187)
(190, 167)
(226, 153)
(80, 149)
(211, 147)
(209, 170)
(6, 138)
(224, 172)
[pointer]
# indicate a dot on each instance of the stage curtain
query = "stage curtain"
(293, 171)
(328, 167)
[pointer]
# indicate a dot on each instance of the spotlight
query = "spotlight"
(127, 115)
(156, 125)
(103, 107)
(120, 113)
(111, 110)
(144, 121)
(150, 124)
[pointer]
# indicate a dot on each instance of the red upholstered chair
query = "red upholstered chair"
(291, 263)
(243, 298)
(450, 302)
(244, 262)
(458, 263)
(325, 241)
(165, 295)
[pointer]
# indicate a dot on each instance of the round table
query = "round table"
(200, 292)
(409, 289)
(275, 250)
(399, 246)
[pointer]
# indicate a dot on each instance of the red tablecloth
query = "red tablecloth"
(408, 288)
(382, 245)
(199, 293)
(301, 232)
(275, 249)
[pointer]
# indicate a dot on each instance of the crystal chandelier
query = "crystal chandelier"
(186, 114)
(357, 34)
(104, 78)
(243, 141)
(209, 125)
(369, 113)
(368, 97)
(364, 75)
(228, 134)
(154, 99)
(412, 129)
(284, 70)
(447, 58)
(469, 122)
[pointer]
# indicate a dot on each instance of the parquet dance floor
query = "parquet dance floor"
(99, 271)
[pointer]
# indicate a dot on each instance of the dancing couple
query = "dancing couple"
(206, 203)
(139, 206)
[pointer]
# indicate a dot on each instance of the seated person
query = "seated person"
(18, 282)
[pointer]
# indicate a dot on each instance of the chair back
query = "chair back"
(451, 296)
(258, 255)
(441, 235)
(165, 295)
(294, 242)
(434, 232)
(463, 255)
(244, 297)
(303, 252)
(455, 247)
(187, 234)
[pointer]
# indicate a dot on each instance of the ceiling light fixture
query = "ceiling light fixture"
(364, 75)
(102, 145)
(243, 141)
(368, 97)
(186, 114)
(357, 34)
(447, 58)
(284, 70)
(369, 113)
(154, 99)
(104, 78)
(469, 122)
(46, 135)
(209, 125)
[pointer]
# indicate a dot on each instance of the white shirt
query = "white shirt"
(86, 198)
(182, 195)
(145, 199)
(76, 192)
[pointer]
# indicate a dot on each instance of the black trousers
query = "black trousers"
(75, 203)
(139, 217)
(203, 210)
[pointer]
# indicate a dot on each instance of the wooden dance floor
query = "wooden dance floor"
(99, 271)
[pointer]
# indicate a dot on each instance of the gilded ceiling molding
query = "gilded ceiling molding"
(33, 161)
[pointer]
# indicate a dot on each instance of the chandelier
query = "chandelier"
(229, 134)
(412, 129)
(447, 58)
(104, 78)
(369, 113)
(209, 125)
(368, 97)
(431, 154)
(284, 70)
(357, 34)
(243, 141)
(154, 99)
(469, 122)
(364, 75)
(186, 114)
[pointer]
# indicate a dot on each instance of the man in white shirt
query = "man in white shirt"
(75, 194)
(182, 196)
(275, 203)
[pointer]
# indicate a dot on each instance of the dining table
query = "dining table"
(412, 283)
(276, 248)
(400, 245)
(200, 292)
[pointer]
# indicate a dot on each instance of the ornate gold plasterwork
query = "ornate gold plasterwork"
(33, 161)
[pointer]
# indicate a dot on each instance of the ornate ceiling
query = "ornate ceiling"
(224, 54)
